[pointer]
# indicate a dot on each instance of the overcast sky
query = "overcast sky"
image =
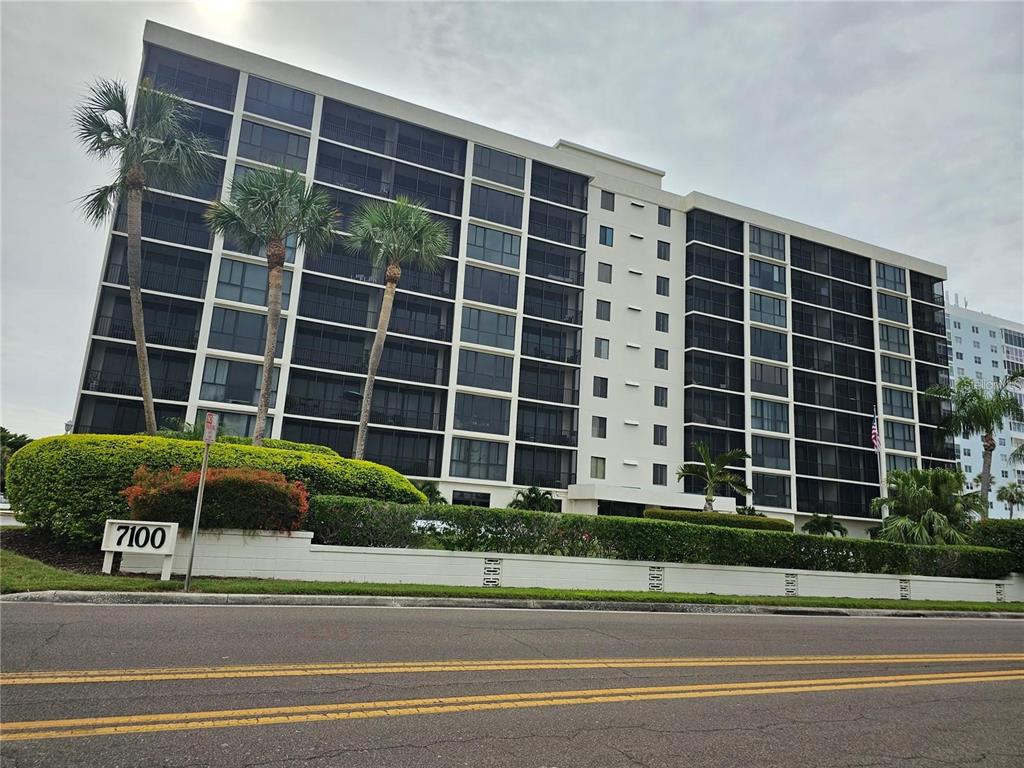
(898, 124)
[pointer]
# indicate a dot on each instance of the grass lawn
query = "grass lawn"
(22, 574)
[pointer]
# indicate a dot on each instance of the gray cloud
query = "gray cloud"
(899, 124)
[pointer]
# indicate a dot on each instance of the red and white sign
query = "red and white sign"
(210, 429)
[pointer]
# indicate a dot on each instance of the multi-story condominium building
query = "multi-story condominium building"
(587, 329)
(986, 348)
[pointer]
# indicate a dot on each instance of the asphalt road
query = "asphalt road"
(313, 687)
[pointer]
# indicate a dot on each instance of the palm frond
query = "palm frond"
(398, 233)
(98, 205)
(227, 220)
(317, 216)
(178, 162)
(101, 120)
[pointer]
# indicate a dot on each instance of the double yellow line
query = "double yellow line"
(233, 718)
(377, 668)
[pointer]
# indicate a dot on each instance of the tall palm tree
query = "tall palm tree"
(266, 208)
(392, 235)
(533, 498)
(977, 410)
(712, 472)
(150, 147)
(1012, 495)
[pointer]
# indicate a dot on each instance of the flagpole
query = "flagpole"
(881, 466)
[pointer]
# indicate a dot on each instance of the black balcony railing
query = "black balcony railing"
(552, 310)
(549, 393)
(565, 274)
(169, 230)
(156, 333)
(358, 363)
(125, 384)
(556, 354)
(549, 436)
(196, 88)
(369, 184)
(568, 235)
(348, 134)
(157, 280)
(543, 478)
(405, 418)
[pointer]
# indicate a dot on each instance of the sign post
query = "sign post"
(209, 438)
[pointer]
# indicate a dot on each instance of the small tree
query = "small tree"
(1012, 495)
(430, 490)
(927, 506)
(392, 235)
(266, 208)
(712, 473)
(150, 147)
(824, 525)
(535, 499)
(977, 410)
(10, 443)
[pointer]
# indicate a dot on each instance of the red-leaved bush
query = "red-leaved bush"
(250, 499)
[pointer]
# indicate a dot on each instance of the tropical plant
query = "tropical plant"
(749, 511)
(266, 208)
(712, 473)
(1012, 495)
(927, 506)
(824, 525)
(533, 498)
(392, 235)
(10, 442)
(150, 147)
(430, 490)
(978, 410)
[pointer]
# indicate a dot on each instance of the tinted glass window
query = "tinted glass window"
(714, 229)
(479, 369)
(289, 105)
(769, 379)
(479, 458)
(768, 344)
(246, 282)
(769, 415)
(769, 452)
(494, 205)
(493, 246)
(491, 287)
(273, 146)
(892, 308)
(232, 381)
(499, 166)
(191, 78)
(242, 331)
(771, 490)
(490, 328)
(768, 243)
(893, 278)
(607, 200)
(770, 277)
(476, 413)
(767, 309)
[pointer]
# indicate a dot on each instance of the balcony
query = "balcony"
(553, 303)
(543, 478)
(158, 280)
(439, 284)
(126, 384)
(533, 434)
(156, 333)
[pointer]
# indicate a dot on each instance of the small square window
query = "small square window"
(664, 217)
(992, 334)
(604, 272)
(976, 344)
(601, 348)
(974, 329)
(662, 286)
(659, 475)
(597, 467)
(604, 310)
(661, 359)
(660, 434)
(661, 397)
(664, 250)
(956, 323)
(607, 200)
(598, 426)
(995, 363)
(661, 322)
(977, 360)
(607, 235)
(600, 386)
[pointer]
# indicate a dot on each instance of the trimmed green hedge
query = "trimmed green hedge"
(365, 522)
(249, 499)
(1003, 534)
(71, 484)
(717, 518)
(286, 445)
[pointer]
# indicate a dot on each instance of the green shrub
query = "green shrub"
(286, 445)
(365, 522)
(717, 518)
(1002, 534)
(71, 484)
(250, 499)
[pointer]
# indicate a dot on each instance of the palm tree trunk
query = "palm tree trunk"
(988, 445)
(709, 503)
(134, 254)
(391, 276)
(275, 275)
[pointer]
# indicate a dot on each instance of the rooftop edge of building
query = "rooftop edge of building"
(631, 178)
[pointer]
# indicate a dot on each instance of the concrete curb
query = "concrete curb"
(198, 598)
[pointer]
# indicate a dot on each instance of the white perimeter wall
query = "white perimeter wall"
(271, 555)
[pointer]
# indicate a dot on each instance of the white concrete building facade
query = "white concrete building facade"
(986, 348)
(587, 329)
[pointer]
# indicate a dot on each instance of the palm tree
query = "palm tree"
(977, 410)
(533, 498)
(266, 208)
(1012, 495)
(927, 506)
(392, 235)
(712, 472)
(150, 148)
(430, 490)
(825, 525)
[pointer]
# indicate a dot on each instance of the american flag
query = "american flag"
(874, 433)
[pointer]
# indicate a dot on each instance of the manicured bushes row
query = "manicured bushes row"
(365, 522)
(250, 499)
(70, 484)
(1004, 534)
(287, 445)
(717, 518)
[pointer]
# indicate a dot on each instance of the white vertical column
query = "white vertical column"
(517, 347)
